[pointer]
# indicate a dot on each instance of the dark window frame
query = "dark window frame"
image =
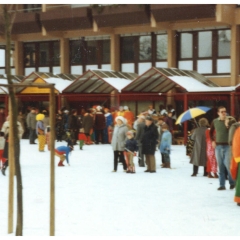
(195, 57)
(37, 65)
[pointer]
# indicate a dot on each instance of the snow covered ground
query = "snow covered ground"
(93, 201)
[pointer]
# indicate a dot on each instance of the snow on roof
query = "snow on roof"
(118, 83)
(60, 84)
(192, 85)
(3, 90)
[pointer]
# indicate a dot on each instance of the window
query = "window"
(43, 54)
(162, 47)
(92, 52)
(224, 43)
(2, 57)
(127, 49)
(186, 45)
(29, 54)
(75, 52)
(207, 52)
(205, 44)
(106, 51)
(145, 48)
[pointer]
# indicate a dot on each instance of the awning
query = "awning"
(100, 82)
(43, 78)
(162, 80)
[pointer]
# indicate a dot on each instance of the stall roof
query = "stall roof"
(68, 76)
(3, 80)
(164, 79)
(100, 81)
(49, 78)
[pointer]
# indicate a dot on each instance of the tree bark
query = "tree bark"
(8, 20)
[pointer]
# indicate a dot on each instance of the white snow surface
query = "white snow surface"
(192, 85)
(60, 84)
(93, 201)
(117, 83)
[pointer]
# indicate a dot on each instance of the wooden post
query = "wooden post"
(115, 52)
(232, 102)
(52, 163)
(185, 123)
(11, 172)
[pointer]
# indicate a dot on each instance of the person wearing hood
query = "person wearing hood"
(100, 124)
(118, 142)
(40, 131)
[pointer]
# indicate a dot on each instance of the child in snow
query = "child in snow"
(130, 151)
(165, 145)
(60, 151)
(82, 138)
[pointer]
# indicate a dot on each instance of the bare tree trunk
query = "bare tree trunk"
(8, 20)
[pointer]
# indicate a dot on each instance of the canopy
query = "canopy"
(162, 80)
(43, 78)
(100, 81)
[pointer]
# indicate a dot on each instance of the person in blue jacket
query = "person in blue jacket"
(165, 145)
(109, 123)
(63, 152)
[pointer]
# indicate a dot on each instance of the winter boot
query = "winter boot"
(166, 165)
(215, 175)
(210, 175)
(3, 170)
(60, 164)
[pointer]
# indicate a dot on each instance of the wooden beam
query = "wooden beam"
(64, 55)
(95, 26)
(235, 38)
(153, 21)
(225, 13)
(171, 48)
(19, 61)
(115, 52)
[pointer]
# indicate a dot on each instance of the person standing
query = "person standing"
(2, 116)
(118, 142)
(236, 159)
(73, 126)
(199, 153)
(149, 141)
(159, 125)
(5, 130)
(100, 124)
(129, 116)
(31, 124)
(222, 149)
(165, 146)
(138, 137)
(109, 122)
(87, 125)
(40, 131)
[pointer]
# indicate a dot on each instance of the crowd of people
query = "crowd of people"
(215, 147)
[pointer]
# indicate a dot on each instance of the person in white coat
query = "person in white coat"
(118, 142)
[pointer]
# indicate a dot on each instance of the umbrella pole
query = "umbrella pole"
(196, 122)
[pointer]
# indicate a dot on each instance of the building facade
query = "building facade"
(73, 38)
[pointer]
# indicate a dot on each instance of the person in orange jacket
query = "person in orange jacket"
(129, 116)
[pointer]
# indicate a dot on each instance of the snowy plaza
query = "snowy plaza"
(93, 201)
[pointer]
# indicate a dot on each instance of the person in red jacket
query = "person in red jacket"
(99, 125)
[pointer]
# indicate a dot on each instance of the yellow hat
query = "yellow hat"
(40, 117)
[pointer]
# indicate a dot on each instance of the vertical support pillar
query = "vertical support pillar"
(19, 58)
(171, 48)
(234, 54)
(52, 164)
(185, 123)
(232, 102)
(11, 160)
(115, 52)
(64, 55)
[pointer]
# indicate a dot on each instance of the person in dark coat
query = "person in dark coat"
(59, 126)
(99, 125)
(149, 141)
(31, 123)
(73, 126)
(199, 153)
(87, 124)
(138, 137)
(169, 121)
